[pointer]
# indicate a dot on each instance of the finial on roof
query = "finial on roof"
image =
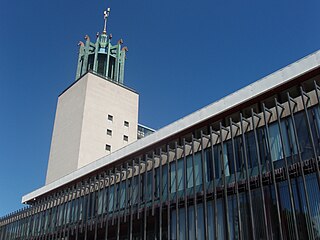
(105, 16)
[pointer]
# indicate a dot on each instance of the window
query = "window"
(110, 117)
(126, 123)
(125, 138)
(108, 147)
(109, 132)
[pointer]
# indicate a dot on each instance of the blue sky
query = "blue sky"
(182, 56)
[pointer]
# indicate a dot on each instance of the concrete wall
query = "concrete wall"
(81, 123)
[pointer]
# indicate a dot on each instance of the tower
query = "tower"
(97, 114)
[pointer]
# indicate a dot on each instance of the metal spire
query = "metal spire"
(105, 16)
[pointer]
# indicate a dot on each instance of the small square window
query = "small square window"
(110, 117)
(126, 123)
(109, 132)
(108, 147)
(125, 138)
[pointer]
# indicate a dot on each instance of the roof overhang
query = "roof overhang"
(254, 90)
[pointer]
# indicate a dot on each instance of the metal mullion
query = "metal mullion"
(18, 224)
(78, 208)
(132, 198)
(214, 205)
(160, 194)
(266, 121)
(81, 210)
(168, 192)
(87, 210)
(66, 204)
(92, 201)
(35, 223)
(153, 182)
(224, 181)
(46, 216)
(50, 208)
(235, 175)
(254, 126)
(279, 114)
(139, 189)
(96, 218)
(119, 203)
(309, 129)
(194, 190)
(103, 199)
(126, 193)
(114, 195)
(13, 224)
(247, 172)
(145, 198)
(300, 160)
(204, 189)
(56, 223)
(176, 190)
(107, 212)
(185, 188)
(317, 89)
(73, 210)
(59, 233)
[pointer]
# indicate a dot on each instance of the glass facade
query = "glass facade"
(255, 176)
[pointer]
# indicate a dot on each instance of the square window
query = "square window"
(108, 147)
(126, 123)
(125, 138)
(109, 132)
(110, 117)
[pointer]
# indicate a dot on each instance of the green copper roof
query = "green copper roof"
(102, 57)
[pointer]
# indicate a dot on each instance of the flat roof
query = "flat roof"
(251, 91)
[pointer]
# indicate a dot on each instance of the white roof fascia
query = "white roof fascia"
(253, 90)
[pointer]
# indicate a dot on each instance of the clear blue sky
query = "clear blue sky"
(182, 56)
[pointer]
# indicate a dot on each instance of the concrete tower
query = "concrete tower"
(97, 114)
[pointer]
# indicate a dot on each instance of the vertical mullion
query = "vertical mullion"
(244, 144)
(286, 166)
(185, 188)
(254, 126)
(177, 198)
(194, 191)
(119, 203)
(56, 222)
(87, 209)
(235, 176)
(103, 198)
(168, 192)
(310, 132)
(82, 212)
(139, 188)
(266, 122)
(132, 198)
(145, 198)
(160, 194)
(108, 204)
(224, 180)
(114, 194)
(214, 205)
(96, 214)
(204, 189)
(126, 193)
(92, 197)
(153, 182)
(300, 161)
(67, 212)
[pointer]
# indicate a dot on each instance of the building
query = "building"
(243, 167)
